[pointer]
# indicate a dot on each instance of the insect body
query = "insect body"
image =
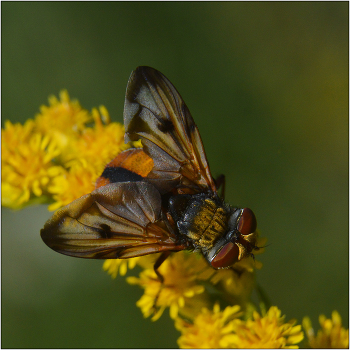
(161, 198)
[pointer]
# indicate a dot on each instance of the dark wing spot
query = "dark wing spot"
(106, 233)
(166, 126)
(192, 128)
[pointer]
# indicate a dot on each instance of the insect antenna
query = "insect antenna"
(257, 248)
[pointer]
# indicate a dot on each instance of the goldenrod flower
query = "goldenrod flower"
(208, 328)
(27, 163)
(268, 331)
(180, 273)
(72, 184)
(236, 284)
(96, 146)
(331, 335)
(113, 266)
(62, 119)
(60, 154)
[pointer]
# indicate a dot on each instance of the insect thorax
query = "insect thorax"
(202, 218)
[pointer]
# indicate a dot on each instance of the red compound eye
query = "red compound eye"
(226, 257)
(247, 222)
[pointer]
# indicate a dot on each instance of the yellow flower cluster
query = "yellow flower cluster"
(225, 330)
(58, 155)
(188, 290)
(331, 335)
(208, 328)
(266, 331)
(192, 291)
(27, 161)
(180, 272)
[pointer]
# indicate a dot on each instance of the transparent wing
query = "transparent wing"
(155, 113)
(119, 220)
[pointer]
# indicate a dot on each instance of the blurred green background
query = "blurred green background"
(267, 84)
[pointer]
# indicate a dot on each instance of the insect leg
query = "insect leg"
(156, 266)
(220, 181)
(159, 262)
